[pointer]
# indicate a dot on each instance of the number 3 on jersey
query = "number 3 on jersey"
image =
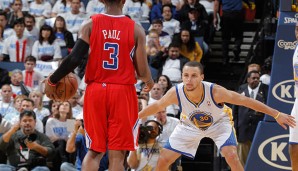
(113, 55)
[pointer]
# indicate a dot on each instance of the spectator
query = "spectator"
(3, 22)
(4, 77)
(17, 106)
(156, 12)
(170, 25)
(39, 110)
(254, 67)
(170, 64)
(266, 70)
(188, 4)
(76, 108)
(28, 104)
(74, 18)
(137, 10)
(31, 77)
(77, 143)
(5, 5)
(95, 7)
(64, 6)
(40, 146)
(146, 155)
(168, 124)
(56, 130)
(46, 49)
(189, 47)
(197, 26)
(232, 24)
(30, 29)
(1, 42)
(63, 37)
(16, 79)
(53, 108)
(246, 120)
(25, 7)
(41, 10)
(164, 38)
(165, 82)
(4, 127)
(152, 48)
(153, 45)
(6, 103)
(16, 12)
(17, 47)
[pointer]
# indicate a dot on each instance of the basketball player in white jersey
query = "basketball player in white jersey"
(293, 141)
(203, 114)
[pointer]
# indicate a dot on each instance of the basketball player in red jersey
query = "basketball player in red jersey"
(117, 52)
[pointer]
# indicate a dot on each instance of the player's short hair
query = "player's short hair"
(195, 64)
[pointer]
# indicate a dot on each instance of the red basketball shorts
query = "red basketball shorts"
(110, 113)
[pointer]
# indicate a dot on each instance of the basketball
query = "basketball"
(65, 88)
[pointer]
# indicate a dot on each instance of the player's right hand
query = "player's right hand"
(148, 85)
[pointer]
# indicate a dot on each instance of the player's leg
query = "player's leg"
(223, 134)
(293, 140)
(91, 161)
(116, 160)
(123, 114)
(166, 158)
(95, 123)
(293, 149)
(231, 156)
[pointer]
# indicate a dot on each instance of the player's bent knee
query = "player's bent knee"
(231, 154)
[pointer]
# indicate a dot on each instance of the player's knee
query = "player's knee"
(232, 155)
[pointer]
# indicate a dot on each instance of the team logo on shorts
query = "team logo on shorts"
(201, 120)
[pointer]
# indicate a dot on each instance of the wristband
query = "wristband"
(277, 115)
(50, 83)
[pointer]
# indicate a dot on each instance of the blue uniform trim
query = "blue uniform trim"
(179, 102)
(211, 88)
(168, 146)
(231, 141)
(193, 103)
(293, 142)
(136, 124)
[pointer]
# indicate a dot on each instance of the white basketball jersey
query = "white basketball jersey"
(295, 69)
(203, 115)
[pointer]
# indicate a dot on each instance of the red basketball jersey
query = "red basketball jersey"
(111, 50)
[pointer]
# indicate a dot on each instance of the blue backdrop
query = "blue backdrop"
(269, 150)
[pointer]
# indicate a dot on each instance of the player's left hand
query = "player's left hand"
(50, 89)
(284, 119)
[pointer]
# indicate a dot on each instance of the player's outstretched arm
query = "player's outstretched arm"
(169, 98)
(140, 58)
(222, 95)
(80, 49)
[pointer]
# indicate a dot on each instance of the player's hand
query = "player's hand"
(284, 119)
(50, 89)
(148, 85)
